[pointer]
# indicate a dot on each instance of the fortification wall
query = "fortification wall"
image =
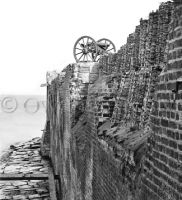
(163, 164)
(115, 126)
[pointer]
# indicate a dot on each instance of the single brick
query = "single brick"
(162, 105)
(180, 157)
(172, 125)
(163, 158)
(172, 164)
(170, 134)
(178, 43)
(180, 178)
(179, 53)
(164, 122)
(179, 126)
(173, 144)
(179, 106)
(164, 141)
(173, 106)
(168, 114)
(176, 135)
(180, 147)
(162, 87)
(171, 86)
(177, 116)
(172, 115)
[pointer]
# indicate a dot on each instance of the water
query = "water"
(22, 117)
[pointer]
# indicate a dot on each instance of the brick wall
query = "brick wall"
(115, 126)
(66, 101)
(162, 177)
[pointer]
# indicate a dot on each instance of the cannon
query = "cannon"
(86, 49)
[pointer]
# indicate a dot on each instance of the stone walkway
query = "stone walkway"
(24, 158)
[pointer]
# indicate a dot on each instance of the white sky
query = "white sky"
(39, 35)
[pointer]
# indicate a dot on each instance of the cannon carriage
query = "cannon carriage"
(86, 49)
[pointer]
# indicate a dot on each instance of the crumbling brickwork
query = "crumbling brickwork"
(66, 102)
(115, 126)
(162, 177)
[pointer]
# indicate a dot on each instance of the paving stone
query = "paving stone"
(35, 181)
(43, 170)
(6, 183)
(24, 187)
(25, 159)
(45, 195)
(20, 183)
(2, 197)
(9, 188)
(34, 196)
(37, 198)
(46, 198)
(19, 197)
(42, 191)
(27, 192)
(11, 168)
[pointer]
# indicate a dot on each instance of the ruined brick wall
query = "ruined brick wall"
(115, 173)
(163, 164)
(139, 62)
(66, 101)
(59, 120)
(82, 161)
(105, 116)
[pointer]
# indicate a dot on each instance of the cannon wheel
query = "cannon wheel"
(111, 47)
(83, 51)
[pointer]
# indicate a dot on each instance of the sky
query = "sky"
(37, 36)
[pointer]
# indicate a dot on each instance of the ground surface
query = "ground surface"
(24, 158)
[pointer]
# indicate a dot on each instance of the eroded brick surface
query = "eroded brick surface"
(115, 126)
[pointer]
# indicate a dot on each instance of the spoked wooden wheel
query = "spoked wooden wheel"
(110, 47)
(106, 47)
(85, 49)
